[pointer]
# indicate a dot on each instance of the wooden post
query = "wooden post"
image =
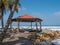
(31, 25)
(36, 26)
(18, 24)
(36, 31)
(10, 25)
(40, 27)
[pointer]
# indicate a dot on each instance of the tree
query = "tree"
(3, 7)
(13, 4)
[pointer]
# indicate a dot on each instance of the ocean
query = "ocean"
(43, 27)
(51, 27)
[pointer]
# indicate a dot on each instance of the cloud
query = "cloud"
(56, 13)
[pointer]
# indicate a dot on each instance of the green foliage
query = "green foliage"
(7, 4)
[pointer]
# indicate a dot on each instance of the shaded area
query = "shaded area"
(21, 41)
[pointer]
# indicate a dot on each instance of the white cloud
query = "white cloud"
(56, 13)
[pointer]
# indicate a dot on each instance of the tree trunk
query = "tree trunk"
(8, 21)
(2, 23)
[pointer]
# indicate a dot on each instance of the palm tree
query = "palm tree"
(4, 4)
(13, 6)
(3, 7)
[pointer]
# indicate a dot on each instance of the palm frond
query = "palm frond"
(7, 4)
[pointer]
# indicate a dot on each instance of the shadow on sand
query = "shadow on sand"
(21, 41)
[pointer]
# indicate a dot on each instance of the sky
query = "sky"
(48, 10)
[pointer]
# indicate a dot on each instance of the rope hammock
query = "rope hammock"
(25, 27)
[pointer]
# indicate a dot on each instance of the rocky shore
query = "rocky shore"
(26, 37)
(45, 35)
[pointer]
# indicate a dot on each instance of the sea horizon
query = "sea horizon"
(44, 27)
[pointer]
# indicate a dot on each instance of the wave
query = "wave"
(43, 27)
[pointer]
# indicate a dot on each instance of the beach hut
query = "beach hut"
(27, 18)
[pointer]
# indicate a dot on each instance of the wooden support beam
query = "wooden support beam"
(40, 27)
(31, 25)
(18, 24)
(36, 26)
(11, 25)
